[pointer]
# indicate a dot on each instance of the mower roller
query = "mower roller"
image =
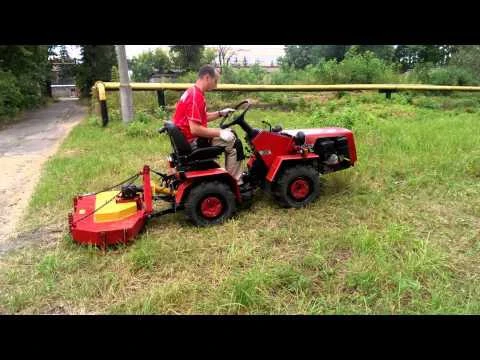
(285, 163)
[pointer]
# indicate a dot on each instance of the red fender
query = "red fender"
(279, 160)
(193, 177)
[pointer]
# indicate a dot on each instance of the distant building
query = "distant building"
(62, 86)
(59, 91)
(167, 76)
(56, 73)
(267, 68)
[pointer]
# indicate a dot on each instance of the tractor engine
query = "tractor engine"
(332, 151)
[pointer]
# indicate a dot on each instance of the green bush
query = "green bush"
(114, 114)
(11, 97)
(365, 68)
(188, 77)
(426, 102)
(355, 68)
(30, 89)
(253, 75)
(446, 75)
(322, 116)
(142, 117)
(161, 114)
(140, 129)
(452, 75)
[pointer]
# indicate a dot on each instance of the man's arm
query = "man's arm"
(213, 116)
(201, 131)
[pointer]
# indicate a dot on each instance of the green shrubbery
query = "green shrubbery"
(355, 68)
(17, 93)
(24, 74)
(359, 68)
(446, 75)
(10, 96)
(146, 124)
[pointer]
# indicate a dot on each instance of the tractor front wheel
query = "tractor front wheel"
(297, 186)
(210, 203)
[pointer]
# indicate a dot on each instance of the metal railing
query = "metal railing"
(100, 89)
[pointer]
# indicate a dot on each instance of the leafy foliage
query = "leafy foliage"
(97, 62)
(24, 77)
(147, 63)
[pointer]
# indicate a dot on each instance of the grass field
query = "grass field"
(396, 234)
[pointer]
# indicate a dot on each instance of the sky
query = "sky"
(265, 54)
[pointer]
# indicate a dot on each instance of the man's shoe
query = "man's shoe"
(245, 187)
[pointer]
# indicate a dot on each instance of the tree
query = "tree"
(410, 55)
(467, 57)
(245, 62)
(148, 63)
(66, 65)
(96, 65)
(329, 52)
(30, 66)
(64, 53)
(208, 56)
(447, 52)
(24, 71)
(115, 76)
(225, 54)
(384, 52)
(187, 57)
(299, 56)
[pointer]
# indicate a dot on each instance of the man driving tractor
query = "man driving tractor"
(191, 117)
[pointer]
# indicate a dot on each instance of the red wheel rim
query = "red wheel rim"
(300, 189)
(211, 207)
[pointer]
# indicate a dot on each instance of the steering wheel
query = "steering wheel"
(238, 118)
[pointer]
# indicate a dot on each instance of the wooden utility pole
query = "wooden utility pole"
(126, 99)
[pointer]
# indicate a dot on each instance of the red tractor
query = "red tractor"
(284, 163)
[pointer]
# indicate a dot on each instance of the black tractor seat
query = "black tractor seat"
(185, 156)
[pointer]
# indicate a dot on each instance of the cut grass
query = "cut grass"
(396, 234)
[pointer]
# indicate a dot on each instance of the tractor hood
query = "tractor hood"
(312, 134)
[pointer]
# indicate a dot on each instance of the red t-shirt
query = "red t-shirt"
(191, 106)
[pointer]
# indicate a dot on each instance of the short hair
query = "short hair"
(206, 70)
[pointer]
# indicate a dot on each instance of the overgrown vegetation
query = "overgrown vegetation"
(357, 67)
(25, 70)
(396, 234)
(96, 65)
(24, 75)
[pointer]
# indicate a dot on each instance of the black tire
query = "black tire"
(303, 175)
(204, 192)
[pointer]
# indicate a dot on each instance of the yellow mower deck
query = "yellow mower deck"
(113, 211)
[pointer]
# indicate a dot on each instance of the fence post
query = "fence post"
(102, 99)
(388, 92)
(104, 112)
(161, 98)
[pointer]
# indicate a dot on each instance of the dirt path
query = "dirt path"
(24, 147)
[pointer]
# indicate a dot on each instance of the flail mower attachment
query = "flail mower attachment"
(114, 217)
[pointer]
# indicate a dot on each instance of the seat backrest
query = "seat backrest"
(179, 142)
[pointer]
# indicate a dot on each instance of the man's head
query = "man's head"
(208, 77)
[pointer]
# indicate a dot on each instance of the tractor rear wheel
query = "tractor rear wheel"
(297, 186)
(210, 203)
